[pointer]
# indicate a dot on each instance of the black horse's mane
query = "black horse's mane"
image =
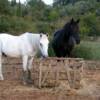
(66, 28)
(65, 31)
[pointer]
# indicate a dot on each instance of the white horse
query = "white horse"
(25, 46)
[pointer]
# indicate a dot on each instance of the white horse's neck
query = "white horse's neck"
(33, 39)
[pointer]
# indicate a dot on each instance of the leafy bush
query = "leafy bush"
(82, 51)
(81, 7)
(51, 52)
(53, 15)
(15, 25)
(87, 50)
(90, 25)
(4, 24)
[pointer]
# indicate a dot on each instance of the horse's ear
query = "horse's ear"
(47, 34)
(72, 21)
(78, 21)
(40, 34)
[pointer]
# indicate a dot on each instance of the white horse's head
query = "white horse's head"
(43, 45)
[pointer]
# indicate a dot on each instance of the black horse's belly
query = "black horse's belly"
(59, 50)
(62, 49)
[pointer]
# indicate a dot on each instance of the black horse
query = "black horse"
(64, 39)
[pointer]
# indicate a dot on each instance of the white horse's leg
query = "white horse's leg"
(30, 63)
(25, 64)
(1, 75)
(29, 69)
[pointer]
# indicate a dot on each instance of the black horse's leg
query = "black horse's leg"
(64, 53)
(70, 51)
(58, 52)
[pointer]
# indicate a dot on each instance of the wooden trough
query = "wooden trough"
(52, 71)
(48, 72)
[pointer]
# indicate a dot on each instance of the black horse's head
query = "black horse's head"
(73, 31)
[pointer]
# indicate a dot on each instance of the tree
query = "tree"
(98, 0)
(13, 3)
(19, 12)
(63, 2)
(4, 7)
(36, 9)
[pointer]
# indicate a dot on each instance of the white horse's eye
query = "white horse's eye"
(41, 44)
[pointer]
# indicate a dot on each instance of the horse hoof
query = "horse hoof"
(25, 83)
(1, 79)
(30, 81)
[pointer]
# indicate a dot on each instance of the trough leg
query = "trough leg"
(68, 72)
(40, 75)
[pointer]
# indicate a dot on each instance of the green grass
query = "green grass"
(88, 50)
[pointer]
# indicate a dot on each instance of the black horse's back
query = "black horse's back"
(64, 39)
(57, 32)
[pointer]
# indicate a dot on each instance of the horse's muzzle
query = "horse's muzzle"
(44, 56)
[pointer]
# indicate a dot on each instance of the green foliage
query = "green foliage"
(90, 25)
(53, 15)
(88, 50)
(63, 2)
(51, 52)
(81, 7)
(15, 25)
(82, 51)
(4, 7)
(4, 23)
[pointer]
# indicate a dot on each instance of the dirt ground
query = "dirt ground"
(13, 89)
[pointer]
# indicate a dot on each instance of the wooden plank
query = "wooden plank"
(40, 74)
(46, 74)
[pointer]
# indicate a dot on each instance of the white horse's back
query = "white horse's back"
(9, 44)
(16, 46)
